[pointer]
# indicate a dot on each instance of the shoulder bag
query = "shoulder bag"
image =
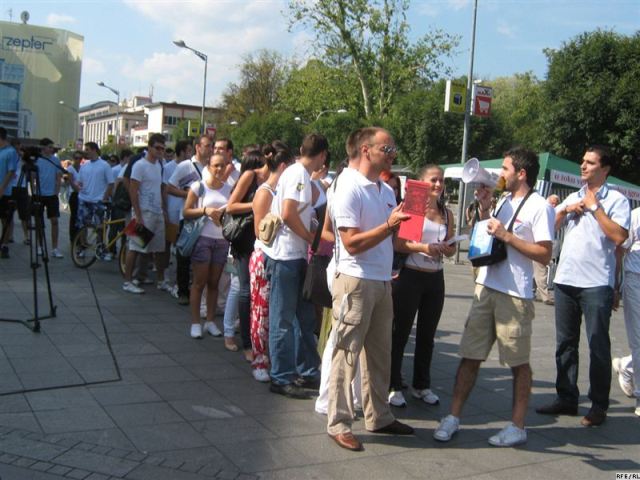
(498, 247)
(191, 229)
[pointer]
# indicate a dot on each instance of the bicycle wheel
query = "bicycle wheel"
(83, 248)
(122, 256)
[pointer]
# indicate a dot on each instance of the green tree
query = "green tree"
(591, 96)
(264, 128)
(518, 105)
(372, 37)
(425, 133)
(317, 87)
(262, 75)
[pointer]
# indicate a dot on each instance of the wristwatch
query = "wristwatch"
(594, 207)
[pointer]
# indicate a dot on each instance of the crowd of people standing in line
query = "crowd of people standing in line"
(379, 283)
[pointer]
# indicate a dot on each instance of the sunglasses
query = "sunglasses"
(388, 149)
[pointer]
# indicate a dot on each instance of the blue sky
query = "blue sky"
(128, 43)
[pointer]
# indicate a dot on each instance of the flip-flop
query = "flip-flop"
(232, 347)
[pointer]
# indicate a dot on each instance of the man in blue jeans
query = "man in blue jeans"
(596, 220)
(292, 343)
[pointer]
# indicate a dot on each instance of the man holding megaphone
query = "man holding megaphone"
(502, 309)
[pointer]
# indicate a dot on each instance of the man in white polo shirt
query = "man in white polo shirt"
(366, 217)
(502, 310)
(596, 220)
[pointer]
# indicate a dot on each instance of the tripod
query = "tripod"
(37, 240)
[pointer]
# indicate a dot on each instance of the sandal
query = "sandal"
(248, 355)
(230, 344)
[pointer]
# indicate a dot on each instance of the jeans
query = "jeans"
(244, 302)
(421, 292)
(292, 343)
(595, 303)
(231, 308)
(183, 270)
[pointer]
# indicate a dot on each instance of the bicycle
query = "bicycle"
(92, 242)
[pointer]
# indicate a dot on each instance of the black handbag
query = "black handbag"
(498, 247)
(315, 288)
(234, 227)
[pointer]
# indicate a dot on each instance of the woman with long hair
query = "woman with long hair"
(420, 288)
(207, 198)
(277, 158)
(253, 173)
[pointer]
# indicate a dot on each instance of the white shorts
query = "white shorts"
(155, 223)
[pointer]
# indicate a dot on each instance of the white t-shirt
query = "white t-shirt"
(535, 223)
(174, 204)
(363, 204)
(294, 184)
(150, 190)
(233, 177)
(212, 198)
(187, 172)
(95, 176)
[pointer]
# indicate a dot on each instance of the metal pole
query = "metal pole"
(467, 128)
(118, 122)
(204, 94)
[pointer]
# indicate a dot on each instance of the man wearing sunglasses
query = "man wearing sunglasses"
(148, 201)
(366, 218)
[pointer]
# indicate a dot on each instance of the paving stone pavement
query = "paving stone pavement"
(112, 387)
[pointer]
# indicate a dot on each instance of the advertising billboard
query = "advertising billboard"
(40, 71)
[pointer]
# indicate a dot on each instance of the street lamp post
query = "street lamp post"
(201, 56)
(117, 93)
(467, 127)
(340, 110)
(75, 122)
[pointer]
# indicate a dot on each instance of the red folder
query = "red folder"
(415, 202)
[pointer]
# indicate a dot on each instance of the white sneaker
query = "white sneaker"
(196, 330)
(261, 375)
(396, 399)
(107, 257)
(55, 253)
(131, 288)
(164, 286)
(509, 436)
(146, 281)
(637, 410)
(624, 379)
(426, 395)
(448, 426)
(174, 291)
(212, 329)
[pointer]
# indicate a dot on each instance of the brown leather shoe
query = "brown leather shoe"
(594, 418)
(348, 441)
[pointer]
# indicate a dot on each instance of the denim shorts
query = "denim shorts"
(212, 251)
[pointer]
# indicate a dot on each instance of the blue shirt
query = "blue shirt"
(48, 171)
(8, 163)
(588, 258)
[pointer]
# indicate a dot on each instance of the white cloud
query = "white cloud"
(458, 4)
(59, 20)
(223, 30)
(428, 9)
(506, 30)
(92, 66)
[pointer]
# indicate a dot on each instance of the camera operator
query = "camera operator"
(50, 174)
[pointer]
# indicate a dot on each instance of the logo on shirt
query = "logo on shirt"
(300, 187)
